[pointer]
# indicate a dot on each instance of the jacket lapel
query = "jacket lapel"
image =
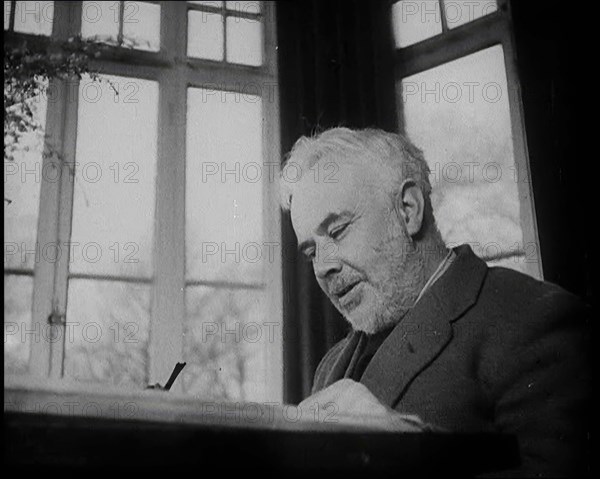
(341, 363)
(426, 329)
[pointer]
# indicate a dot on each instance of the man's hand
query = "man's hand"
(350, 402)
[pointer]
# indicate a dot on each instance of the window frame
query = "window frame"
(453, 43)
(175, 73)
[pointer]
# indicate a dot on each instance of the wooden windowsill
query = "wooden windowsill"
(69, 423)
(26, 394)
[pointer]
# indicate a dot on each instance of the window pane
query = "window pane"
(22, 182)
(141, 25)
(458, 114)
(226, 337)
(415, 21)
(244, 41)
(106, 336)
(113, 205)
(7, 10)
(246, 7)
(100, 20)
(224, 178)
(459, 12)
(205, 35)
(18, 291)
(34, 17)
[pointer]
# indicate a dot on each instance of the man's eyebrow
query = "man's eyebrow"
(330, 218)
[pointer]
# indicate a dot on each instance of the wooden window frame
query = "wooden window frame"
(477, 35)
(175, 73)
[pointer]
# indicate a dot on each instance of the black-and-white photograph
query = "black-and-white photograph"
(297, 236)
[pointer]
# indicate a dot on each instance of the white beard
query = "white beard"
(398, 295)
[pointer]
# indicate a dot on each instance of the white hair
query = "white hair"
(392, 154)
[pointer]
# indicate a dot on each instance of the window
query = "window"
(21, 200)
(458, 94)
(150, 232)
(226, 31)
(29, 17)
(135, 24)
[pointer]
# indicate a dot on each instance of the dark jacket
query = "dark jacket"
(486, 349)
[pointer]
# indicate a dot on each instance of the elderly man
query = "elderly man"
(436, 333)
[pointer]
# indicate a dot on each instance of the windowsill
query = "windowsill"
(27, 394)
(67, 423)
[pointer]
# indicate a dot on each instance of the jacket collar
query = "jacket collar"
(421, 335)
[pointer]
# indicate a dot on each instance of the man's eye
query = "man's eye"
(309, 253)
(338, 230)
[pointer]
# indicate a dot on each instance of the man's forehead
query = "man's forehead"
(313, 201)
(318, 197)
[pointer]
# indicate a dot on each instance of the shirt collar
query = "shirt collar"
(441, 269)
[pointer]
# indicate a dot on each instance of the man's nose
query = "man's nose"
(327, 261)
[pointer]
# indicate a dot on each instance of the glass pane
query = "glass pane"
(107, 329)
(459, 12)
(18, 291)
(415, 21)
(100, 20)
(7, 10)
(205, 35)
(226, 337)
(246, 7)
(244, 41)
(224, 178)
(22, 182)
(141, 25)
(458, 114)
(34, 17)
(113, 205)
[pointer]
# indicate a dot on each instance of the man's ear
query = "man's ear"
(410, 205)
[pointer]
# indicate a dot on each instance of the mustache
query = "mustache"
(340, 284)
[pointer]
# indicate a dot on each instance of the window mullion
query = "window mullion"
(168, 309)
(121, 20)
(532, 262)
(67, 24)
(272, 216)
(11, 21)
(49, 210)
(67, 184)
(47, 351)
(269, 45)
(454, 44)
(224, 27)
(67, 20)
(49, 298)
